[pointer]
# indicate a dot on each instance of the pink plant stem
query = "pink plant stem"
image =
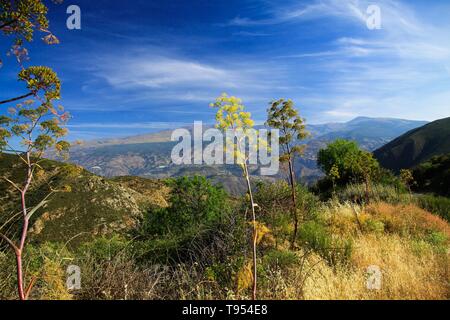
(20, 276)
(19, 251)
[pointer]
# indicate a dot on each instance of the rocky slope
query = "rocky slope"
(85, 205)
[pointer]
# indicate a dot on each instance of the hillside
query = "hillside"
(193, 241)
(89, 205)
(433, 176)
(416, 146)
(149, 155)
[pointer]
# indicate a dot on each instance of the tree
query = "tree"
(282, 115)
(20, 19)
(349, 162)
(334, 176)
(38, 126)
(366, 167)
(34, 125)
(407, 178)
(194, 202)
(231, 116)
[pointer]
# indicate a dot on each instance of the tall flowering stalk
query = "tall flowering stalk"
(232, 117)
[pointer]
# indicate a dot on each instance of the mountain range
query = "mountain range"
(101, 206)
(149, 155)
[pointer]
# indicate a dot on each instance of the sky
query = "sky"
(147, 65)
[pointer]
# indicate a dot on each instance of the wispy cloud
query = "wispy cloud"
(130, 125)
(148, 78)
(297, 12)
(375, 73)
(157, 72)
(319, 53)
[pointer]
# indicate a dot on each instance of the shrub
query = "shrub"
(435, 204)
(433, 176)
(408, 220)
(274, 200)
(46, 265)
(196, 226)
(308, 204)
(372, 225)
(275, 203)
(193, 202)
(105, 248)
(334, 250)
(279, 259)
(378, 193)
(438, 239)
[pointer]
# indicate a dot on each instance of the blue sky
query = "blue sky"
(145, 65)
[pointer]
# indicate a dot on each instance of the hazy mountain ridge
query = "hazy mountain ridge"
(149, 155)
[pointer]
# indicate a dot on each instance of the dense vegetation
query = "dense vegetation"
(195, 245)
(433, 176)
(186, 238)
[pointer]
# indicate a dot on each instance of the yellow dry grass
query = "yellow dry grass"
(407, 274)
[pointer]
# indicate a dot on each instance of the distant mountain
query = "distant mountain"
(370, 133)
(149, 155)
(416, 146)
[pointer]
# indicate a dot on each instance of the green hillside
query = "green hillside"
(416, 146)
(85, 205)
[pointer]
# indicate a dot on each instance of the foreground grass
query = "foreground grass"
(410, 270)
(408, 244)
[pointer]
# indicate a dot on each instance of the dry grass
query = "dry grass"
(408, 219)
(406, 275)
(412, 267)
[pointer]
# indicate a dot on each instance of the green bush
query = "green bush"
(433, 176)
(334, 250)
(279, 259)
(308, 204)
(198, 225)
(194, 201)
(437, 238)
(435, 204)
(275, 203)
(378, 193)
(105, 248)
(372, 225)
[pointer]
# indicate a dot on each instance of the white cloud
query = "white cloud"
(401, 70)
(157, 72)
(151, 79)
(362, 72)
